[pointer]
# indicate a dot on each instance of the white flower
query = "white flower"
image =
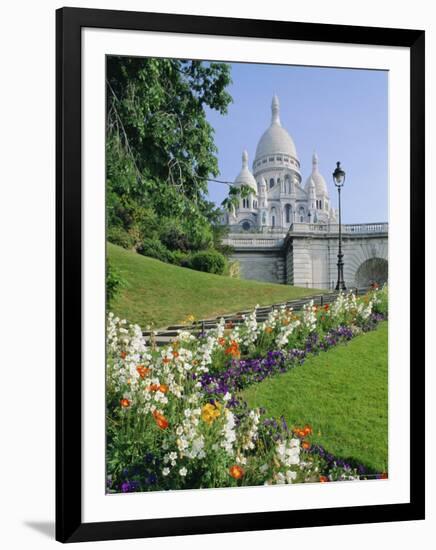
(183, 471)
(165, 471)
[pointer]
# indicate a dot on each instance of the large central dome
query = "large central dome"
(276, 139)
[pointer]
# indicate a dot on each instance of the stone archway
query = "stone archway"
(373, 270)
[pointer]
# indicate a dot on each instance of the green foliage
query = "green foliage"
(155, 249)
(231, 202)
(381, 302)
(114, 283)
(210, 261)
(118, 235)
(160, 150)
(181, 258)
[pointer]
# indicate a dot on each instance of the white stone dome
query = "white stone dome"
(245, 177)
(317, 178)
(275, 139)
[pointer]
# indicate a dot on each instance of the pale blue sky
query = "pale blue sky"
(340, 113)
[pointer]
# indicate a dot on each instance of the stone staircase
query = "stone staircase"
(165, 336)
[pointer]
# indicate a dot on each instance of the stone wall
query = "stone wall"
(268, 265)
(307, 256)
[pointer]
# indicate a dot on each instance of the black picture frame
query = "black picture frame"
(69, 525)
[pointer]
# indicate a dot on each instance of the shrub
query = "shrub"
(180, 258)
(209, 261)
(118, 235)
(155, 249)
(173, 237)
(114, 283)
(234, 269)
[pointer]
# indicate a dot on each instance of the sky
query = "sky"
(342, 114)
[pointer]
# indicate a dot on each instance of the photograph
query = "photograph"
(247, 239)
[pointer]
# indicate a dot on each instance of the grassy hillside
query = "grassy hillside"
(342, 394)
(161, 294)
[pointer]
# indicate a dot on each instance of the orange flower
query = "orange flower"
(123, 354)
(160, 420)
(305, 445)
(142, 371)
(307, 430)
(125, 403)
(299, 432)
(384, 475)
(236, 472)
(222, 341)
(153, 387)
(175, 354)
(163, 388)
(166, 360)
(233, 349)
(268, 330)
(326, 307)
(323, 479)
(303, 432)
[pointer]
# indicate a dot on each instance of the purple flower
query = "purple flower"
(125, 487)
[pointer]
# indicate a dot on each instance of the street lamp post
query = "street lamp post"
(339, 179)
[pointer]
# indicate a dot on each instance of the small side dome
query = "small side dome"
(317, 178)
(245, 177)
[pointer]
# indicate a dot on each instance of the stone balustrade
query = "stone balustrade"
(360, 228)
(252, 242)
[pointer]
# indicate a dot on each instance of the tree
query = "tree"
(160, 147)
(231, 202)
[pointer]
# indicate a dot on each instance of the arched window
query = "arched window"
(254, 204)
(273, 217)
(246, 226)
(301, 212)
(271, 183)
(288, 212)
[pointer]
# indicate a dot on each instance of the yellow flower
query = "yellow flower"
(210, 412)
(189, 319)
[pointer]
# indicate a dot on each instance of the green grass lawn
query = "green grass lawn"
(164, 294)
(342, 394)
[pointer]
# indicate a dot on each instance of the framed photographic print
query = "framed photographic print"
(240, 259)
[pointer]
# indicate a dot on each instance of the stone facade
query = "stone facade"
(285, 232)
(306, 255)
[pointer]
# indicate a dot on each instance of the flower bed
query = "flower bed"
(173, 416)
